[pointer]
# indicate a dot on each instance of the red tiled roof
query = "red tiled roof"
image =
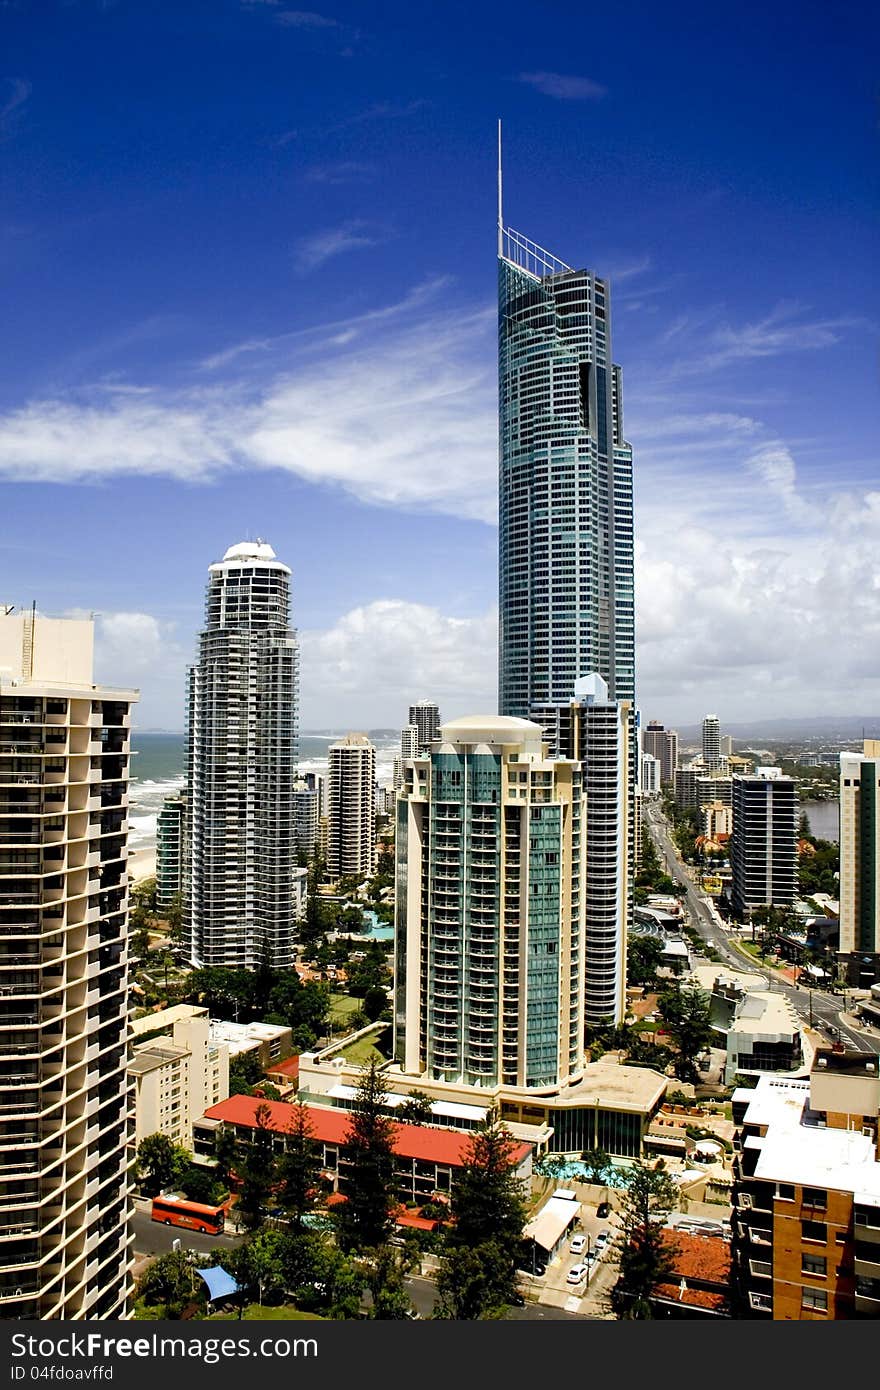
(331, 1126)
(695, 1298)
(289, 1068)
(419, 1223)
(706, 1258)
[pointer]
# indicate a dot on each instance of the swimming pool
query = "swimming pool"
(378, 931)
(576, 1171)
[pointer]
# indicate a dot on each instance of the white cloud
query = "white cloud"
(564, 88)
(402, 414)
(18, 91)
(315, 250)
(379, 656)
(340, 172)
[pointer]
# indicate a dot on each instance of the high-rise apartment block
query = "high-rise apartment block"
(565, 484)
(68, 1114)
(662, 744)
(170, 833)
(763, 845)
(241, 762)
(649, 775)
(596, 732)
(860, 863)
(351, 806)
(490, 909)
(806, 1222)
(712, 743)
(694, 786)
(306, 818)
(424, 717)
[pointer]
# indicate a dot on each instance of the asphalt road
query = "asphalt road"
(822, 1012)
(154, 1238)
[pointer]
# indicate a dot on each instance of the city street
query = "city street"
(154, 1238)
(823, 1013)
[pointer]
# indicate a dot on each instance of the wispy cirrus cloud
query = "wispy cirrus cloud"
(16, 91)
(305, 19)
(314, 251)
(706, 344)
(564, 87)
(341, 172)
(385, 111)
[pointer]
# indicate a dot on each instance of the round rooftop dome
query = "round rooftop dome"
(489, 728)
(250, 550)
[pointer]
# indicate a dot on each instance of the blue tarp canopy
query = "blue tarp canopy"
(220, 1283)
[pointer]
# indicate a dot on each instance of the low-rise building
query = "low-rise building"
(760, 1029)
(427, 1158)
(610, 1107)
(806, 1219)
(177, 1074)
(699, 1282)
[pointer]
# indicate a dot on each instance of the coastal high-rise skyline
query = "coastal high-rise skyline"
(565, 483)
(860, 863)
(242, 747)
(351, 806)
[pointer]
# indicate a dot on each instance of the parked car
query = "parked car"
(577, 1244)
(577, 1273)
(602, 1240)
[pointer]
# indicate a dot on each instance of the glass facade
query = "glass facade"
(565, 491)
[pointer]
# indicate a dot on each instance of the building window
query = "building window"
(785, 1191)
(816, 1299)
(815, 1197)
(813, 1264)
(814, 1230)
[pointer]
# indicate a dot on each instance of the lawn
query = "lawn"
(259, 1312)
(361, 1051)
(342, 1006)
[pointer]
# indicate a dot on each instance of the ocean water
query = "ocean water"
(157, 769)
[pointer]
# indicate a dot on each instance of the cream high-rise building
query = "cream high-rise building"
(67, 1102)
(242, 749)
(351, 805)
(490, 940)
(860, 862)
(177, 1075)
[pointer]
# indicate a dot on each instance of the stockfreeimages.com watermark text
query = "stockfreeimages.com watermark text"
(41, 1355)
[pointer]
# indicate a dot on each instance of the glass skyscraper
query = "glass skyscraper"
(565, 485)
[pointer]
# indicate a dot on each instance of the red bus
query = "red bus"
(177, 1211)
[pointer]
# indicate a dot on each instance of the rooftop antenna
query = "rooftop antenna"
(500, 221)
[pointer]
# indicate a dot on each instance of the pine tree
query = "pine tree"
(364, 1219)
(299, 1167)
(646, 1261)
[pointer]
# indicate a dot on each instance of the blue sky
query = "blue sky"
(247, 269)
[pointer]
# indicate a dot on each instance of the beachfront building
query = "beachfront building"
(763, 844)
(860, 864)
(306, 801)
(170, 824)
(565, 484)
(424, 717)
(67, 1101)
(241, 859)
(351, 805)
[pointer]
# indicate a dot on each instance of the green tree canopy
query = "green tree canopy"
(160, 1163)
(685, 1013)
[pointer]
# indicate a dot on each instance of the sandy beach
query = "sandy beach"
(142, 863)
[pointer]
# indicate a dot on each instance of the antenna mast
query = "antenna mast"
(500, 221)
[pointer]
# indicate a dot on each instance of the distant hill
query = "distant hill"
(830, 728)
